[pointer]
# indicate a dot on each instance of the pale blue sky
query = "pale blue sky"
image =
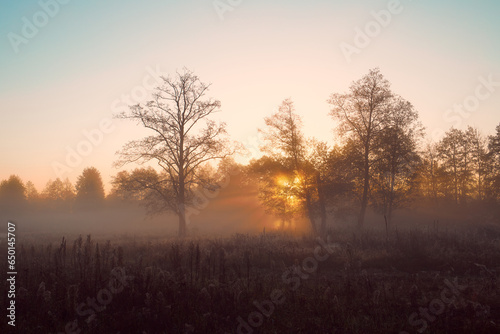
(65, 79)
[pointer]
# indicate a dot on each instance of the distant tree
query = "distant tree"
(362, 114)
(480, 160)
(450, 152)
(279, 189)
(429, 178)
(58, 194)
(31, 192)
(285, 143)
(89, 187)
(463, 155)
(493, 177)
(394, 173)
(145, 186)
(494, 146)
(119, 190)
(396, 159)
(318, 158)
(59, 190)
(283, 136)
(343, 180)
(12, 191)
(180, 143)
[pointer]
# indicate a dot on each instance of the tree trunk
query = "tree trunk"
(181, 195)
(364, 199)
(310, 213)
(433, 180)
(389, 212)
(322, 205)
(391, 199)
(455, 183)
(182, 210)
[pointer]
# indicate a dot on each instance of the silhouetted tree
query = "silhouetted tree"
(363, 113)
(119, 190)
(343, 180)
(58, 194)
(480, 160)
(285, 143)
(456, 154)
(12, 190)
(317, 156)
(179, 143)
(394, 173)
(396, 158)
(145, 186)
(89, 187)
(32, 194)
(283, 136)
(493, 177)
(12, 195)
(279, 188)
(428, 176)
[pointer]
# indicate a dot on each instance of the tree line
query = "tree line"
(380, 160)
(87, 192)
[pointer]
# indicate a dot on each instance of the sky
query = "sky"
(67, 66)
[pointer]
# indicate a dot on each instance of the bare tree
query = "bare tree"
(428, 175)
(396, 157)
(32, 193)
(283, 136)
(449, 150)
(318, 158)
(394, 172)
(479, 148)
(455, 151)
(183, 138)
(493, 179)
(362, 114)
(280, 189)
(285, 143)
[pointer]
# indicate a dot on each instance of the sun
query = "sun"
(283, 181)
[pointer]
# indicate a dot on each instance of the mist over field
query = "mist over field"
(246, 167)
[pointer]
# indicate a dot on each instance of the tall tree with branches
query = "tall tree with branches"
(396, 158)
(283, 136)
(183, 139)
(362, 114)
(493, 179)
(284, 142)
